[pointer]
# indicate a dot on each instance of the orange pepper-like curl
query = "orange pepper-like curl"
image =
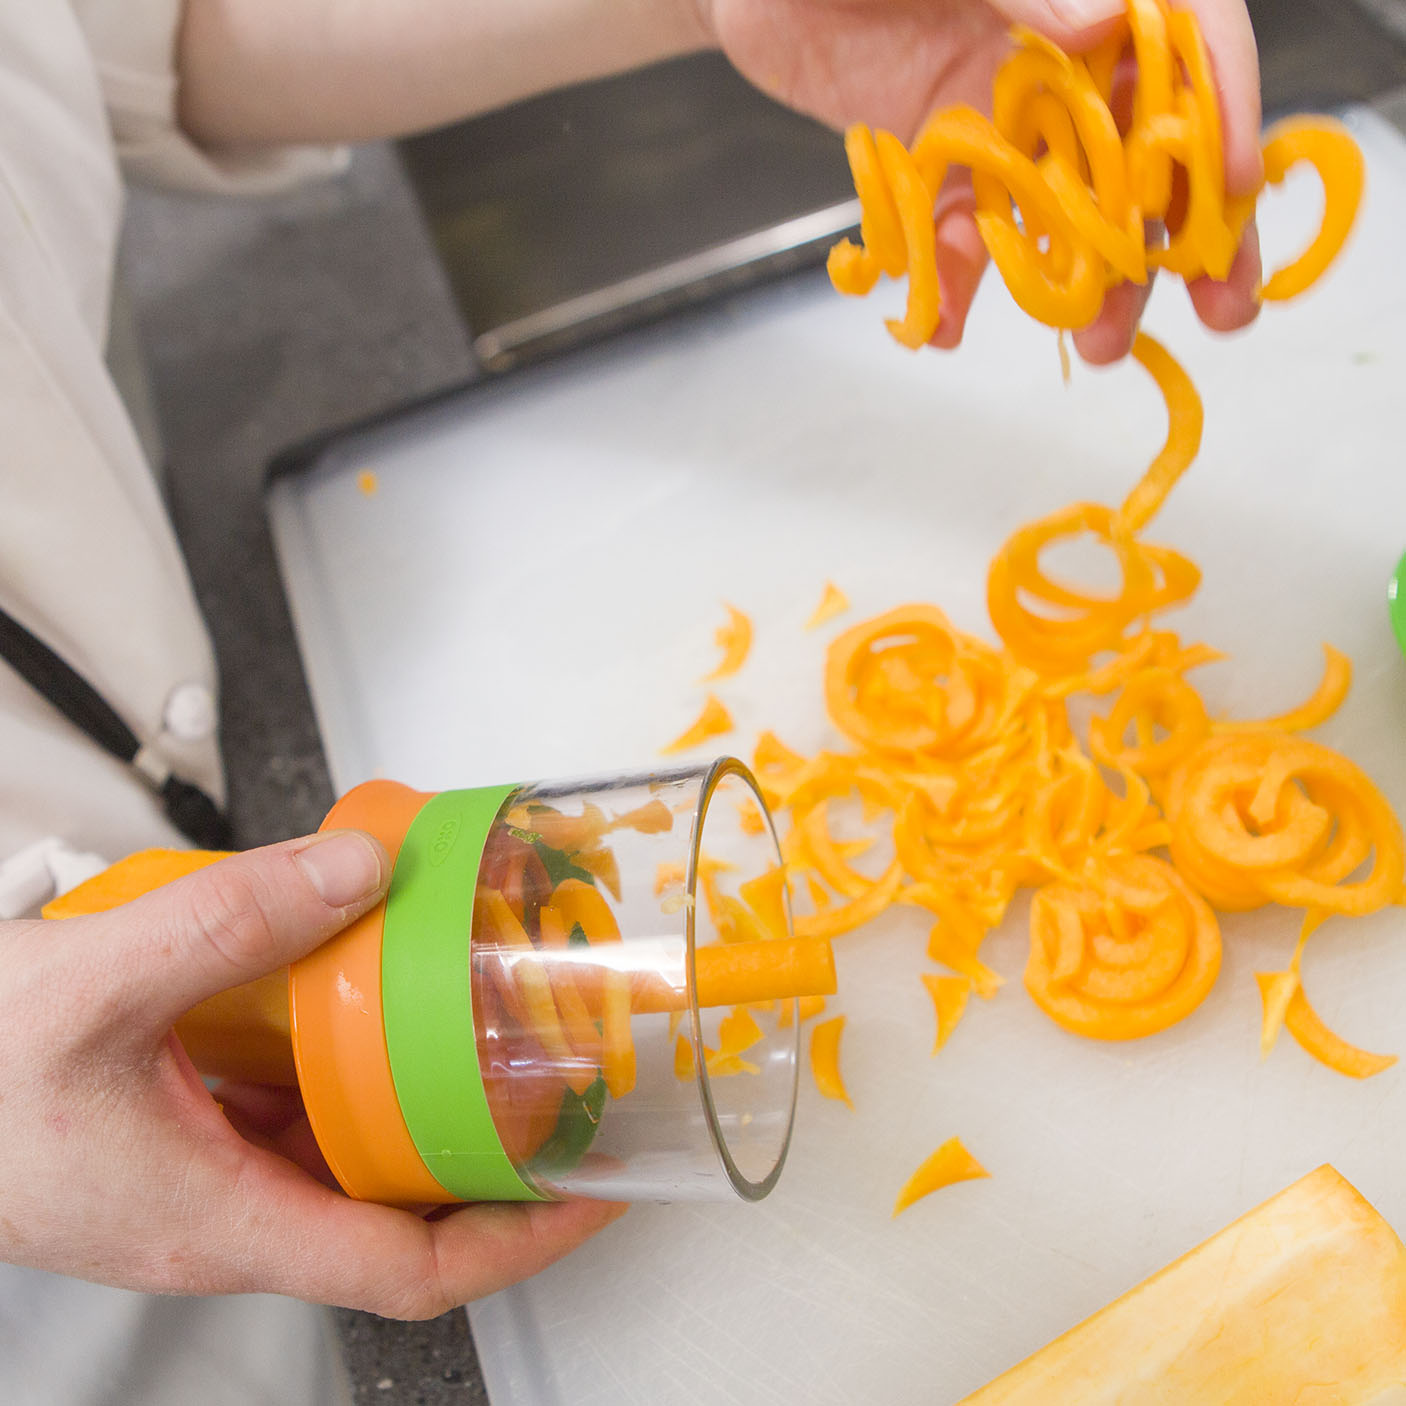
(1125, 951)
(950, 1164)
(1077, 624)
(1266, 816)
(908, 681)
(1062, 201)
(735, 641)
(1152, 698)
(1184, 423)
(713, 721)
(1324, 701)
(1286, 1004)
(825, 1059)
(1328, 147)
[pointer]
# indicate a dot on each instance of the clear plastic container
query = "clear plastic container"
(634, 982)
(584, 988)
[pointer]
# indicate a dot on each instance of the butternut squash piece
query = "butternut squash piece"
(1302, 1300)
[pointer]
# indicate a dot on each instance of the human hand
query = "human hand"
(891, 63)
(116, 1163)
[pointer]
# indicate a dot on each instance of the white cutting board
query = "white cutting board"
(534, 587)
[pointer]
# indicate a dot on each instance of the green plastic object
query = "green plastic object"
(427, 1002)
(1396, 603)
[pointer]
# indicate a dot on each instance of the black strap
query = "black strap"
(195, 815)
(187, 807)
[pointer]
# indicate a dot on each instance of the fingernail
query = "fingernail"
(344, 866)
(1084, 14)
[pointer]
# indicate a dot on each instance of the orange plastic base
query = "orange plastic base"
(339, 1040)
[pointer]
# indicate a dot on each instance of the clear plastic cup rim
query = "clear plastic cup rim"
(745, 1187)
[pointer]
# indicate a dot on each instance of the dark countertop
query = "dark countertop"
(265, 323)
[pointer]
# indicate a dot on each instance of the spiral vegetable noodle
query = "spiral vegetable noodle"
(963, 755)
(966, 753)
(1063, 198)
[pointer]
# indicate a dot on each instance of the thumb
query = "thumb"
(227, 924)
(1072, 24)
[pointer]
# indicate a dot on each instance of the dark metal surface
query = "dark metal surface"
(599, 200)
(1321, 54)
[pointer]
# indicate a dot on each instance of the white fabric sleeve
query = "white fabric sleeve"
(134, 48)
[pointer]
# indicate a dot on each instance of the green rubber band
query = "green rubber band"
(1396, 603)
(427, 1003)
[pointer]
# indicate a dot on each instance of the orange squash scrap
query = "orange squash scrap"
(1277, 989)
(618, 1062)
(1287, 1008)
(1285, 1004)
(1064, 200)
(825, 1059)
(1325, 700)
(845, 917)
(668, 875)
(833, 602)
(735, 641)
(582, 905)
(807, 1008)
(767, 895)
(557, 829)
(771, 753)
(956, 937)
(1148, 649)
(950, 1164)
(738, 1031)
(713, 721)
(651, 818)
(817, 847)
(1304, 1024)
(949, 1000)
(601, 863)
